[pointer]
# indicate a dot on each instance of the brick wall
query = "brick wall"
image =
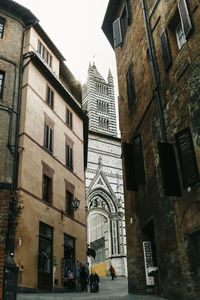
(4, 206)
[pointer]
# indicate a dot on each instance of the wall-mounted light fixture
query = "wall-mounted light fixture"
(75, 203)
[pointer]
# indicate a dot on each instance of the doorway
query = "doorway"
(45, 257)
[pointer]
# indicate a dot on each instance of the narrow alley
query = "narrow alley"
(108, 289)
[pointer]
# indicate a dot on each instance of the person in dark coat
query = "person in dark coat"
(83, 279)
(94, 282)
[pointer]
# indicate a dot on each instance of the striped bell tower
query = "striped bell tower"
(99, 102)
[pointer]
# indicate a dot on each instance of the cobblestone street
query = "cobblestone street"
(108, 289)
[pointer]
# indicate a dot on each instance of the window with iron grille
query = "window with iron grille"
(69, 118)
(2, 25)
(48, 143)
(69, 157)
(2, 76)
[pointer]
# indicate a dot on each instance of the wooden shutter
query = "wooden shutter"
(187, 158)
(129, 166)
(169, 171)
(184, 16)
(167, 56)
(130, 85)
(46, 136)
(117, 33)
(50, 139)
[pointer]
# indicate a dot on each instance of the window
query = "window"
(69, 207)
(134, 163)
(69, 157)
(69, 118)
(178, 30)
(2, 76)
(44, 53)
(180, 36)
(47, 188)
(120, 25)
(103, 123)
(48, 138)
(50, 97)
(130, 85)
(102, 106)
(169, 170)
(2, 25)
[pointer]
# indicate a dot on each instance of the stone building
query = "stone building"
(51, 151)
(157, 47)
(104, 182)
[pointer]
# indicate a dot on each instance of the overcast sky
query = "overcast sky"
(75, 28)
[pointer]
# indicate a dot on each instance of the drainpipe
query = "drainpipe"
(15, 168)
(155, 70)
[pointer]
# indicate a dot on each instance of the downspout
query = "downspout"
(154, 69)
(15, 168)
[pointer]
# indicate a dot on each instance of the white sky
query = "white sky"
(75, 28)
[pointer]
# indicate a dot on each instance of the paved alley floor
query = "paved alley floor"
(108, 289)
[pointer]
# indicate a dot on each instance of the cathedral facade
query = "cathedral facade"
(104, 181)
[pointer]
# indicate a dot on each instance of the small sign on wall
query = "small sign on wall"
(148, 262)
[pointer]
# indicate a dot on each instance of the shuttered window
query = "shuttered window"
(130, 85)
(117, 33)
(50, 97)
(69, 118)
(169, 171)
(48, 138)
(47, 188)
(184, 16)
(187, 158)
(69, 157)
(166, 51)
(2, 25)
(121, 24)
(134, 163)
(2, 76)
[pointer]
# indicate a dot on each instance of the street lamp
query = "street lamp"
(75, 203)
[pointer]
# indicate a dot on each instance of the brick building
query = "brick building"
(12, 27)
(47, 146)
(157, 47)
(104, 180)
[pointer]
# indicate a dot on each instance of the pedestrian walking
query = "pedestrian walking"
(112, 272)
(94, 282)
(83, 279)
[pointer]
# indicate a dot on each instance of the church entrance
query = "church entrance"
(97, 226)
